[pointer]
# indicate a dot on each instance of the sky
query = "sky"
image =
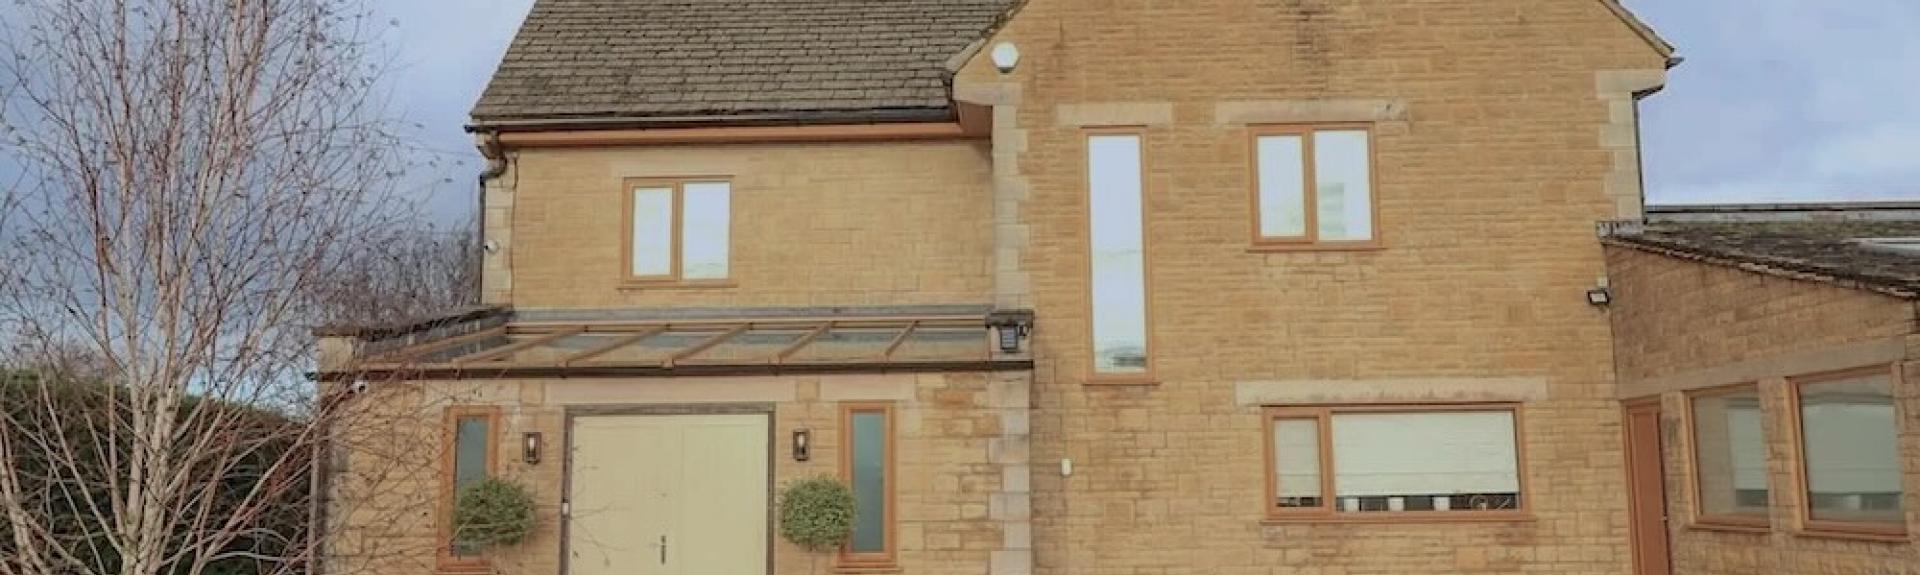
(1778, 100)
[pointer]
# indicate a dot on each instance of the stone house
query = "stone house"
(1069, 287)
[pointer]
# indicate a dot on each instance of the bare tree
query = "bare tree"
(197, 175)
(410, 272)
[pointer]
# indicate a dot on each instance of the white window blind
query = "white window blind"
(1388, 454)
(1296, 459)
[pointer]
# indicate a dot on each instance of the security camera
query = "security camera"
(358, 387)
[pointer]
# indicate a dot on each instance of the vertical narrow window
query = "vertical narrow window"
(1343, 185)
(867, 462)
(678, 230)
(1313, 186)
(1353, 461)
(706, 220)
(1281, 170)
(469, 448)
(652, 233)
(1729, 457)
(1849, 452)
(1118, 264)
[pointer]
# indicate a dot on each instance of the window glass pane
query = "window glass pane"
(1439, 461)
(706, 220)
(869, 481)
(560, 349)
(1853, 466)
(1119, 257)
(846, 344)
(470, 451)
(448, 354)
(652, 232)
(1296, 462)
(1730, 454)
(653, 349)
(944, 344)
(470, 438)
(1343, 185)
(751, 346)
(1282, 184)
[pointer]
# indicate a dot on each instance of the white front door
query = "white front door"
(668, 495)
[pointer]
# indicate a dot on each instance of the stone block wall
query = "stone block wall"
(814, 224)
(1684, 326)
(960, 467)
(1498, 141)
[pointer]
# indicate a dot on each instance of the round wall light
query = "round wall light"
(1005, 56)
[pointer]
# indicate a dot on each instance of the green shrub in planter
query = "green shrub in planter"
(492, 512)
(816, 513)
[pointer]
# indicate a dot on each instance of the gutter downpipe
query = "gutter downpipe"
(496, 157)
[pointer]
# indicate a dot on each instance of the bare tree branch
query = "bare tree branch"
(203, 180)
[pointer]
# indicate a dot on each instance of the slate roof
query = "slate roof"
(1824, 251)
(696, 60)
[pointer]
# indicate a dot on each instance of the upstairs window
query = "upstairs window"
(1117, 268)
(1313, 187)
(678, 230)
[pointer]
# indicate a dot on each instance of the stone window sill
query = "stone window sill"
(1863, 535)
(1285, 247)
(1730, 527)
(676, 285)
(866, 569)
(1402, 518)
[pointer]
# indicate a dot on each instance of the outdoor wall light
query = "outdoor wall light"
(802, 444)
(1599, 297)
(1012, 326)
(1005, 56)
(530, 448)
(1010, 337)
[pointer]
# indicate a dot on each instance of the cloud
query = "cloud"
(442, 53)
(1779, 100)
(1785, 100)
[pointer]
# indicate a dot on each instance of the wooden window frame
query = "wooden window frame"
(1699, 518)
(676, 249)
(446, 561)
(1802, 488)
(847, 559)
(1327, 511)
(1147, 376)
(1309, 240)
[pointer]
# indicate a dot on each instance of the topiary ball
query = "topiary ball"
(816, 513)
(492, 512)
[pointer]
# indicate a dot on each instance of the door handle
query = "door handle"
(663, 550)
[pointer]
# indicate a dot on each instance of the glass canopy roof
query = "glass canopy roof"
(692, 345)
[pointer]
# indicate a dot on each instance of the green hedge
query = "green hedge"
(83, 412)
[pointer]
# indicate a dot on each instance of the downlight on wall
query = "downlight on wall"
(1005, 57)
(1601, 295)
